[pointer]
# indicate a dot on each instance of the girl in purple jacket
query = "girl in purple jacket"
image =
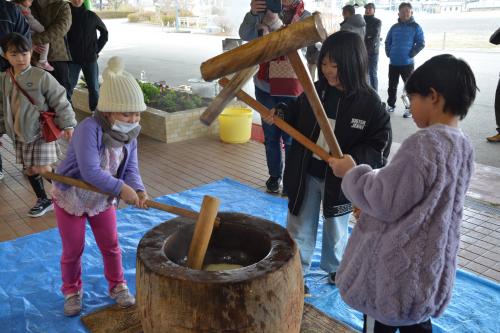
(400, 262)
(103, 152)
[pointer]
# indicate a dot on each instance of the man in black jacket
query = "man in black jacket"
(11, 20)
(372, 42)
(85, 46)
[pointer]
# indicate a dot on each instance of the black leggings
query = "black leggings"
(372, 326)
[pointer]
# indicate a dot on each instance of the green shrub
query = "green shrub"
(111, 14)
(168, 19)
(149, 90)
(134, 17)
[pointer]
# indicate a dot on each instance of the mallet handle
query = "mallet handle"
(283, 125)
(226, 95)
(202, 232)
(317, 107)
(150, 203)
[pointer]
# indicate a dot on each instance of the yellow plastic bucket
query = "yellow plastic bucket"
(235, 124)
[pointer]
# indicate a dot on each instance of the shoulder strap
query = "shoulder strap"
(32, 101)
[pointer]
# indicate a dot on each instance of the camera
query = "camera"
(274, 6)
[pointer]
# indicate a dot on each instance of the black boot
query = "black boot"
(43, 204)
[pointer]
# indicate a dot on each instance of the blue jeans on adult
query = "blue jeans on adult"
(91, 73)
(272, 134)
(304, 228)
(372, 70)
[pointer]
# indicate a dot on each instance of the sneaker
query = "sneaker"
(390, 108)
(122, 297)
(42, 206)
(44, 65)
(273, 184)
(73, 304)
(307, 292)
(331, 278)
(1, 175)
(494, 138)
(407, 113)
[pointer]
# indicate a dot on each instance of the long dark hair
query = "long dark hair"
(349, 52)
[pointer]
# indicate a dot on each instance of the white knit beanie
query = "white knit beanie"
(119, 91)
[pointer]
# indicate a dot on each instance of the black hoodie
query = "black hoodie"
(363, 130)
(82, 36)
(372, 36)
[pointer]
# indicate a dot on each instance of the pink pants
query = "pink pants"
(72, 231)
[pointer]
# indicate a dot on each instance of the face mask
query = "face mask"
(123, 127)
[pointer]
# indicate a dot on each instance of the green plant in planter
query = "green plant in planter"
(149, 90)
(171, 100)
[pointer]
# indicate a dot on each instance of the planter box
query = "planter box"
(157, 124)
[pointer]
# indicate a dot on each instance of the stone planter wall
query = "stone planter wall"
(157, 124)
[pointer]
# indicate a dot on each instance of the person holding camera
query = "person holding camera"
(275, 81)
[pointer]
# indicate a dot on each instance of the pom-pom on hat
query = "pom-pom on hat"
(119, 91)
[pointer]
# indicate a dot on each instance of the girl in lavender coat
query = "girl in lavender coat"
(103, 152)
(400, 262)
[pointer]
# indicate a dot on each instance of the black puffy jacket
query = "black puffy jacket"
(11, 20)
(363, 130)
(372, 36)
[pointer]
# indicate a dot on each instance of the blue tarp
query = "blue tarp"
(30, 300)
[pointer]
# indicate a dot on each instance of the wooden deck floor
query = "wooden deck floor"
(175, 167)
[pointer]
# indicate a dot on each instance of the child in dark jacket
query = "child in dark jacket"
(103, 152)
(400, 263)
(362, 128)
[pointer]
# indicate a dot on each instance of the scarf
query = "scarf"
(111, 138)
(285, 85)
(292, 12)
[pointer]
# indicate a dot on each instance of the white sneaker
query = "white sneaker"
(1, 175)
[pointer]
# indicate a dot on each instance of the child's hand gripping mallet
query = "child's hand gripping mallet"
(150, 203)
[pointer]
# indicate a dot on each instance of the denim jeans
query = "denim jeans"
(91, 73)
(61, 74)
(304, 227)
(372, 70)
(273, 135)
(394, 73)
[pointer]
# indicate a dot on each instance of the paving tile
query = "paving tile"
(492, 274)
(485, 261)
(492, 255)
(476, 267)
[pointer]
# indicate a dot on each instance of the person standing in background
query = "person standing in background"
(495, 39)
(85, 46)
(404, 41)
(55, 16)
(353, 22)
(372, 42)
(275, 81)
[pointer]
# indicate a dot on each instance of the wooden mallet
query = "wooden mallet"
(150, 203)
(242, 59)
